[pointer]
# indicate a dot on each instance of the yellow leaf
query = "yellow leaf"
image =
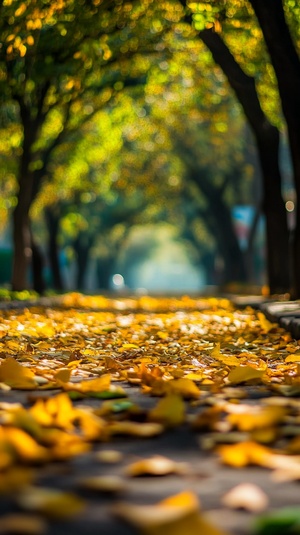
(61, 409)
(91, 425)
(177, 515)
(257, 417)
(155, 466)
(170, 411)
(244, 454)
(65, 445)
(40, 413)
(63, 375)
(184, 387)
(49, 502)
(15, 375)
(94, 385)
(109, 456)
(129, 346)
(242, 374)
(148, 429)
(293, 358)
(265, 324)
(24, 445)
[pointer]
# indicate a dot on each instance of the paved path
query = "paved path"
(207, 477)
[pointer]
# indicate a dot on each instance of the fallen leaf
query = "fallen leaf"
(109, 456)
(169, 411)
(155, 466)
(256, 417)
(246, 496)
(242, 374)
(244, 454)
(176, 515)
(147, 429)
(15, 375)
(49, 502)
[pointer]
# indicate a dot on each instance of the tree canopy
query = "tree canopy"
(108, 102)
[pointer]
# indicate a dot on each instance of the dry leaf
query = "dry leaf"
(244, 454)
(15, 375)
(170, 411)
(255, 417)
(177, 515)
(148, 429)
(155, 466)
(242, 374)
(109, 456)
(49, 502)
(246, 496)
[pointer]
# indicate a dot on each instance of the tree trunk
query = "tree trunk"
(221, 224)
(52, 221)
(82, 246)
(104, 272)
(39, 284)
(267, 141)
(286, 64)
(22, 248)
(21, 221)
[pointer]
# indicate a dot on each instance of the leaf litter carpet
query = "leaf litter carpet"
(148, 415)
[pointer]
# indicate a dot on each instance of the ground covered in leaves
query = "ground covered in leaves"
(175, 416)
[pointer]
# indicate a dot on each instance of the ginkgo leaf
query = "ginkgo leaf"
(244, 454)
(109, 456)
(15, 375)
(177, 515)
(293, 358)
(170, 411)
(93, 385)
(265, 324)
(155, 466)
(91, 425)
(257, 417)
(147, 429)
(63, 375)
(24, 445)
(246, 496)
(242, 374)
(183, 387)
(49, 502)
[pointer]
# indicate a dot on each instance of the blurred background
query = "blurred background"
(128, 162)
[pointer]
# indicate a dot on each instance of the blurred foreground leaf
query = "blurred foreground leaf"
(286, 521)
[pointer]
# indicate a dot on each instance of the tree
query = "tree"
(286, 63)
(267, 142)
(56, 57)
